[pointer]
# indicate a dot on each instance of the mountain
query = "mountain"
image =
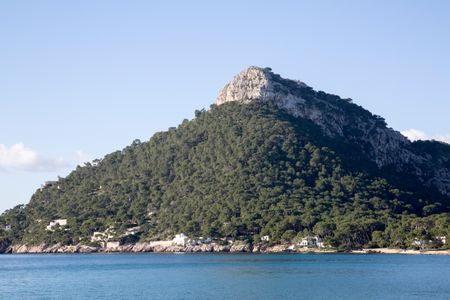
(340, 118)
(273, 157)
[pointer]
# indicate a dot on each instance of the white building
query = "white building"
(265, 238)
(320, 243)
(101, 236)
(133, 230)
(438, 241)
(7, 227)
(59, 222)
(442, 239)
(418, 243)
(312, 242)
(180, 239)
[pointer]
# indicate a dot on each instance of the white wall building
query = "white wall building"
(60, 222)
(418, 243)
(312, 242)
(180, 239)
(103, 236)
(133, 230)
(265, 238)
(7, 227)
(442, 239)
(320, 243)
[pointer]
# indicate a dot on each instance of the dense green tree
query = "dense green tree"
(238, 171)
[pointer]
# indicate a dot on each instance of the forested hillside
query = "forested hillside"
(240, 171)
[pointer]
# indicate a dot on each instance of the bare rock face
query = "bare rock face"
(28, 249)
(257, 83)
(86, 249)
(142, 247)
(261, 84)
(221, 248)
(56, 248)
(278, 249)
(240, 247)
(336, 117)
(161, 246)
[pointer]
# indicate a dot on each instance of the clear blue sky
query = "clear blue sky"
(80, 79)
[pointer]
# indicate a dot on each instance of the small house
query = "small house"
(58, 222)
(7, 227)
(320, 243)
(180, 239)
(418, 243)
(133, 230)
(312, 242)
(441, 239)
(98, 236)
(265, 238)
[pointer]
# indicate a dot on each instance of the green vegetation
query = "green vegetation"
(238, 171)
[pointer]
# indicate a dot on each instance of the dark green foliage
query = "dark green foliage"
(239, 171)
(15, 218)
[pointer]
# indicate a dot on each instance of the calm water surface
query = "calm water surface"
(224, 276)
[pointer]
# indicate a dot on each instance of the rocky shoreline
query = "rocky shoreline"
(204, 248)
(236, 247)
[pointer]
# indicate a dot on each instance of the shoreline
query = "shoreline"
(155, 247)
(400, 251)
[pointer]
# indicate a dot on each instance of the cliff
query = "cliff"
(338, 117)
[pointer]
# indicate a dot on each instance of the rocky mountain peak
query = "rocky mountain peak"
(337, 117)
(255, 83)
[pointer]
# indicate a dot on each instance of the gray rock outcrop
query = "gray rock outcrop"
(337, 118)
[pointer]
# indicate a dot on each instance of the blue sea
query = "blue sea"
(224, 276)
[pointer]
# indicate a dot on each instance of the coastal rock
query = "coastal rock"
(56, 248)
(212, 247)
(240, 247)
(118, 248)
(258, 248)
(199, 248)
(142, 247)
(221, 248)
(278, 249)
(87, 249)
(28, 249)
(175, 248)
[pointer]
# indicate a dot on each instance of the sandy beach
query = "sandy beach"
(401, 251)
